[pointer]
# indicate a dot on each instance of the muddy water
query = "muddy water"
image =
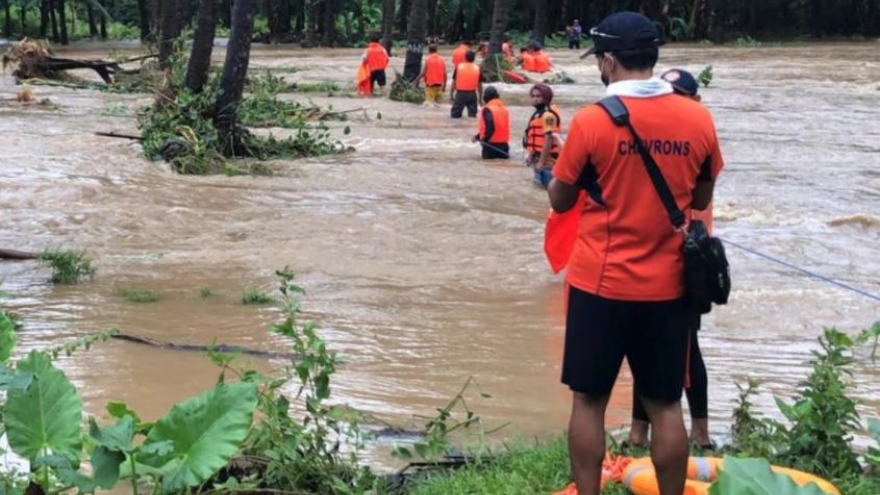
(423, 264)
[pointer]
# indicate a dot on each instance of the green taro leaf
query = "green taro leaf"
(205, 432)
(754, 477)
(105, 463)
(45, 417)
(117, 437)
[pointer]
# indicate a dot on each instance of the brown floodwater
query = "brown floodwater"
(423, 264)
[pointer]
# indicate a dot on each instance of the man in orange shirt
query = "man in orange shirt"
(458, 55)
(494, 127)
(626, 272)
(526, 60)
(467, 87)
(377, 59)
(434, 75)
(683, 84)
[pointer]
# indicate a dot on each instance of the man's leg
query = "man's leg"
(586, 441)
(657, 351)
(698, 395)
(472, 105)
(457, 105)
(594, 348)
(638, 430)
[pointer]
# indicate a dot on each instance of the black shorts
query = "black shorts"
(377, 77)
(653, 336)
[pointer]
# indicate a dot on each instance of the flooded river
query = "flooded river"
(423, 264)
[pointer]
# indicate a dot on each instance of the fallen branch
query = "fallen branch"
(11, 254)
(221, 348)
(118, 135)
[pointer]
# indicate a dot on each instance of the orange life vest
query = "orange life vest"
(458, 54)
(533, 140)
(528, 62)
(501, 120)
(467, 77)
(377, 58)
(542, 62)
(435, 70)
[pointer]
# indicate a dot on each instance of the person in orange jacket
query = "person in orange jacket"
(434, 75)
(377, 59)
(494, 127)
(467, 87)
(542, 60)
(526, 60)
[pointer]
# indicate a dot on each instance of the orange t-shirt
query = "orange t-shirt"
(458, 54)
(528, 62)
(435, 70)
(626, 247)
(377, 57)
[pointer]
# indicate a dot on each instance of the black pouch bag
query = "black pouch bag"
(706, 270)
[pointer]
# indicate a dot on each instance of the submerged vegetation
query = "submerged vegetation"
(68, 267)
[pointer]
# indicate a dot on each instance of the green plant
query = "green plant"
(746, 41)
(254, 296)
(7, 337)
(872, 457)
(750, 433)
(206, 292)
(705, 76)
(68, 267)
(437, 441)
(822, 417)
(140, 295)
(754, 477)
(283, 452)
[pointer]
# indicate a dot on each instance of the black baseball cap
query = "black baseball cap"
(624, 31)
(682, 81)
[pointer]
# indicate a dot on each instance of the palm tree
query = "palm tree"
(388, 9)
(492, 65)
(540, 28)
(203, 45)
(417, 30)
(238, 54)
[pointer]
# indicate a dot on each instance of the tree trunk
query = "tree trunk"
(492, 64)
(56, 37)
(388, 10)
(329, 23)
(361, 33)
(22, 12)
(203, 46)
(417, 27)
(300, 26)
(169, 30)
(7, 23)
(62, 22)
(93, 26)
(226, 13)
(540, 28)
(499, 25)
(143, 19)
(403, 16)
(44, 18)
(103, 27)
(238, 54)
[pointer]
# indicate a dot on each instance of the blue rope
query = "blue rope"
(805, 271)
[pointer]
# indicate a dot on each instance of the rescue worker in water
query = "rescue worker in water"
(494, 127)
(541, 139)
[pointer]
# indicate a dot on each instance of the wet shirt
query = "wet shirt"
(626, 247)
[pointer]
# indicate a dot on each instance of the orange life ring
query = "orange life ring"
(640, 479)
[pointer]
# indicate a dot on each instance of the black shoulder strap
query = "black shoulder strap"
(619, 114)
